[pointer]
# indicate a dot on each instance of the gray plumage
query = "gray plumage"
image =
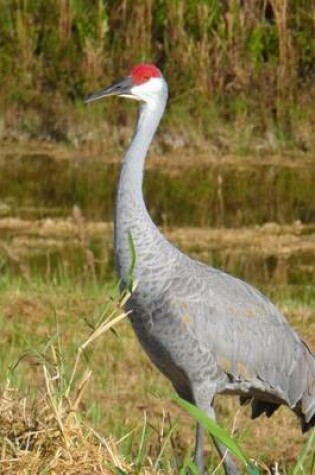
(208, 332)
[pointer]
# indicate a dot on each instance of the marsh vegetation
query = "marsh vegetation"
(230, 180)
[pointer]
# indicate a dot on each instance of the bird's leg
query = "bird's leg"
(199, 449)
(201, 398)
(229, 465)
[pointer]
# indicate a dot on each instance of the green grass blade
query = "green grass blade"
(189, 467)
(220, 434)
(141, 449)
(312, 469)
(252, 469)
(301, 458)
(166, 441)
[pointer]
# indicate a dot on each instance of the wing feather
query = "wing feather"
(248, 335)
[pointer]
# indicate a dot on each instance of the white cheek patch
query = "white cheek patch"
(149, 89)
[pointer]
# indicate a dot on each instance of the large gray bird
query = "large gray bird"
(208, 332)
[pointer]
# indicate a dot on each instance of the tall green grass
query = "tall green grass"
(249, 62)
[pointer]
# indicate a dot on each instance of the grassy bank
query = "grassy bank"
(127, 399)
(238, 72)
(54, 286)
(75, 248)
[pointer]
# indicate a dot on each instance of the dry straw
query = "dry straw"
(51, 435)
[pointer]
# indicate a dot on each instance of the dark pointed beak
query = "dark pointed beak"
(120, 88)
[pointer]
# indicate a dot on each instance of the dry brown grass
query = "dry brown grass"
(51, 434)
(32, 441)
(131, 386)
(269, 253)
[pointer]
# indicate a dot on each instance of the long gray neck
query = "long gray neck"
(131, 177)
(131, 215)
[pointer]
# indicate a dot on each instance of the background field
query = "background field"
(241, 74)
(230, 180)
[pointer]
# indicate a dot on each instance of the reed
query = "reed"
(249, 61)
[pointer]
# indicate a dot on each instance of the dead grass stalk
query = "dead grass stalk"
(51, 434)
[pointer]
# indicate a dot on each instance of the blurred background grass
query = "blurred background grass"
(247, 66)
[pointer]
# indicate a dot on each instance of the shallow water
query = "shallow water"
(216, 212)
(230, 194)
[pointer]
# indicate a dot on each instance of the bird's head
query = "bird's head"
(144, 82)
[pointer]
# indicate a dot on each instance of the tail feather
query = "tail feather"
(307, 407)
(301, 392)
(305, 426)
(300, 395)
(260, 407)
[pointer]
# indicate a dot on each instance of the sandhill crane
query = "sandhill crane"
(207, 331)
